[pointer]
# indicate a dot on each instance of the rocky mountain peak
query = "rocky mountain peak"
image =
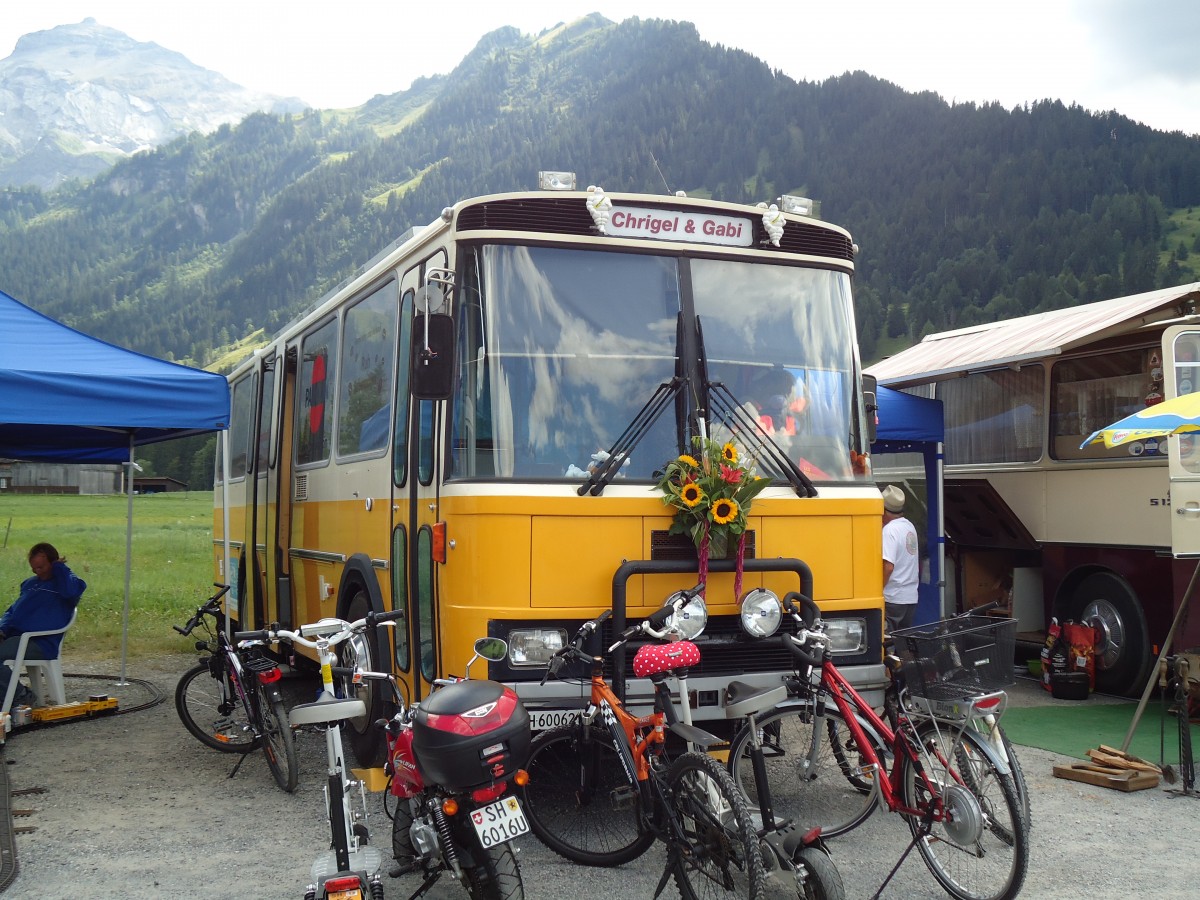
(76, 98)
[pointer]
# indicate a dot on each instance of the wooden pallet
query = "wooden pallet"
(1105, 776)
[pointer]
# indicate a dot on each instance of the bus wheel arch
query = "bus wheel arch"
(1109, 603)
(359, 594)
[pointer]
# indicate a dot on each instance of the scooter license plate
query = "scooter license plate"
(500, 821)
(352, 894)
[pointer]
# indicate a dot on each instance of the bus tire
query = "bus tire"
(1106, 600)
(366, 738)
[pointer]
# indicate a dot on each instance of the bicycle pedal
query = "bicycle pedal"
(623, 797)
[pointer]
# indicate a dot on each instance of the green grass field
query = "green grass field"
(170, 575)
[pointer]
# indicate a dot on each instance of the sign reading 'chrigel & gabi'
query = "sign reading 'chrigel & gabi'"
(679, 225)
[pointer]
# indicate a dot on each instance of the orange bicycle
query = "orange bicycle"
(602, 789)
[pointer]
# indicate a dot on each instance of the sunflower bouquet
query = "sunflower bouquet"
(711, 490)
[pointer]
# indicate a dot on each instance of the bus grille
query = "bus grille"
(561, 215)
(667, 546)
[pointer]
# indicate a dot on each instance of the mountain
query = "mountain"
(963, 213)
(77, 98)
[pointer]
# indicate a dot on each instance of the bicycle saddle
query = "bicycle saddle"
(652, 659)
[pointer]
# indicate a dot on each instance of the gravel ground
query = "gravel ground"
(134, 807)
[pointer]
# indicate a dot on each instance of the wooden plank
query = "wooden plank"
(1129, 780)
(1122, 762)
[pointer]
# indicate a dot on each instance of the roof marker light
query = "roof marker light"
(800, 206)
(556, 181)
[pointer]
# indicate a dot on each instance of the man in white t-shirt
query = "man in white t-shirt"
(900, 569)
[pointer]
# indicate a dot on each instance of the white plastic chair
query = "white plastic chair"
(45, 675)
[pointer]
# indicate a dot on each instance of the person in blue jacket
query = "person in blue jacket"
(47, 601)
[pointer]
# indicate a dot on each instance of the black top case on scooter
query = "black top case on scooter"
(471, 734)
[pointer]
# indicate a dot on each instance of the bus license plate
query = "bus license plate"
(499, 822)
(542, 719)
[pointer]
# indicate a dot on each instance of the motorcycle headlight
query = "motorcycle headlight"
(761, 613)
(687, 623)
(531, 647)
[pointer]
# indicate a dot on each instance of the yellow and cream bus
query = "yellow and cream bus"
(470, 429)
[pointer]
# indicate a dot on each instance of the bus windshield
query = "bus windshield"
(559, 349)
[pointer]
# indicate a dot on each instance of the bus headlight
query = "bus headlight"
(533, 647)
(688, 622)
(846, 636)
(761, 613)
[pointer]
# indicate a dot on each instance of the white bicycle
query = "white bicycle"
(350, 868)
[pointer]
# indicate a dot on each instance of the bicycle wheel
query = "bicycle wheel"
(994, 735)
(817, 878)
(980, 849)
(497, 877)
(213, 715)
(835, 793)
(579, 802)
(721, 856)
(279, 745)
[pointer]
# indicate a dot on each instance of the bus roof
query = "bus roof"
(1010, 342)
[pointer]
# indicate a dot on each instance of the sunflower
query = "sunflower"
(691, 494)
(729, 454)
(689, 461)
(724, 511)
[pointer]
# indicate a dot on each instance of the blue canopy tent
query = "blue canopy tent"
(910, 424)
(68, 397)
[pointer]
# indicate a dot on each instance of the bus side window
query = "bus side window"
(318, 376)
(241, 425)
(368, 358)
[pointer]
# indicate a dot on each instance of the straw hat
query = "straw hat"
(893, 499)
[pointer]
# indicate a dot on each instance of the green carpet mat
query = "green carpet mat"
(1073, 730)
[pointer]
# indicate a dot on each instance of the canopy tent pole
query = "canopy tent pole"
(226, 561)
(130, 467)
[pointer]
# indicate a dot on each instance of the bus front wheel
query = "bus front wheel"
(1107, 602)
(366, 738)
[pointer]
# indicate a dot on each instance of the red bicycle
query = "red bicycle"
(830, 759)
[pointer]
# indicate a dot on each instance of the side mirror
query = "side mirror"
(431, 370)
(492, 649)
(870, 389)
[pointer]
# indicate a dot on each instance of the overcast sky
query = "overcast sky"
(1134, 56)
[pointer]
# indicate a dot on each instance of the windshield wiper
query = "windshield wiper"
(724, 407)
(607, 469)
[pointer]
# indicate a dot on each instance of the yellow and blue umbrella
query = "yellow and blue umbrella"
(1177, 416)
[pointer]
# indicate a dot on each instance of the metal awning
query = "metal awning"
(1012, 342)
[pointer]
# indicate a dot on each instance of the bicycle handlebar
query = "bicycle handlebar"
(652, 625)
(211, 607)
(338, 630)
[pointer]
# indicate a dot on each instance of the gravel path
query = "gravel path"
(136, 808)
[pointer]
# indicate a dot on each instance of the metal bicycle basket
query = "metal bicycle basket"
(957, 657)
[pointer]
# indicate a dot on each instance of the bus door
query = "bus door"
(279, 486)
(417, 463)
(1181, 365)
(266, 496)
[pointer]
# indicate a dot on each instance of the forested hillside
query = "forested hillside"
(962, 213)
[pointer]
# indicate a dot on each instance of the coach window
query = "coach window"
(399, 570)
(265, 417)
(368, 357)
(994, 417)
(241, 426)
(318, 372)
(400, 437)
(1090, 392)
